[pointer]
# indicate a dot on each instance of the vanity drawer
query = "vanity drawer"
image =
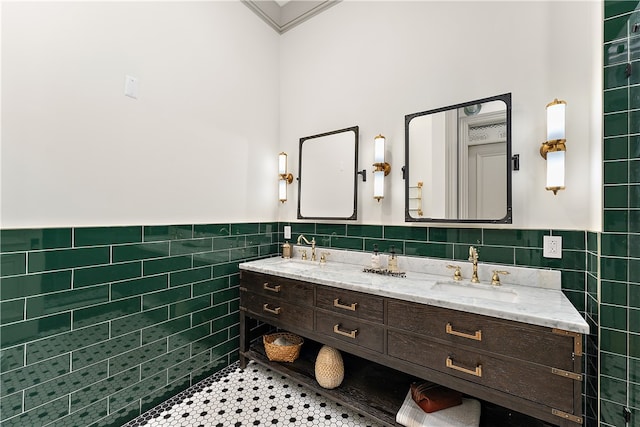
(350, 303)
(530, 381)
(275, 310)
(353, 331)
(522, 341)
(300, 293)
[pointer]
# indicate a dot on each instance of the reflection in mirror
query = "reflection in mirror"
(458, 162)
(327, 187)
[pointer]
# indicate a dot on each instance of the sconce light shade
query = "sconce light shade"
(555, 120)
(378, 149)
(378, 185)
(382, 168)
(555, 171)
(284, 177)
(554, 149)
(282, 163)
(282, 190)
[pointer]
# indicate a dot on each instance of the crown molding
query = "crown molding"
(283, 18)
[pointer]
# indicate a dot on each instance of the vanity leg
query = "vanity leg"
(245, 339)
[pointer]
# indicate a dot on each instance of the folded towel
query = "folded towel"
(283, 341)
(465, 415)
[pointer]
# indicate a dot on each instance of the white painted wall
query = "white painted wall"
(221, 94)
(196, 147)
(371, 63)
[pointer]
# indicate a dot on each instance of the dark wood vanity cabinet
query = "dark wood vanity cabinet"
(531, 369)
(277, 300)
(349, 303)
(513, 339)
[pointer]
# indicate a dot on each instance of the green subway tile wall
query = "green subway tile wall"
(99, 324)
(591, 341)
(160, 312)
(614, 313)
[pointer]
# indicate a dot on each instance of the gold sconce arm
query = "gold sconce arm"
(551, 146)
(379, 167)
(287, 177)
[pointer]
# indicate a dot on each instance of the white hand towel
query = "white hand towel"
(465, 415)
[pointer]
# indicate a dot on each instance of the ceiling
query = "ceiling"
(282, 15)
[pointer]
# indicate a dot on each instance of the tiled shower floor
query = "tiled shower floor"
(255, 396)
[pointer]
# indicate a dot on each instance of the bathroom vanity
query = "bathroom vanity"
(517, 346)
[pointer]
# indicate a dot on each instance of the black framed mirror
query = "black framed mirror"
(327, 178)
(458, 163)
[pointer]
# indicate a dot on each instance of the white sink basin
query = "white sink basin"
(494, 293)
(297, 265)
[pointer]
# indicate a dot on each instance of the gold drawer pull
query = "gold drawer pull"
(350, 307)
(477, 372)
(276, 310)
(267, 287)
(477, 336)
(350, 334)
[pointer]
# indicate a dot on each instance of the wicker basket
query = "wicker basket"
(282, 353)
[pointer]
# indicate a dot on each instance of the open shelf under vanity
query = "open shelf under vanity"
(370, 389)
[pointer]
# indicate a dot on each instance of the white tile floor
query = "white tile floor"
(250, 397)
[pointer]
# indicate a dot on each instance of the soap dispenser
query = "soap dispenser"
(393, 260)
(375, 258)
(286, 250)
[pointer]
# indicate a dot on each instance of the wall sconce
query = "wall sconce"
(284, 177)
(382, 168)
(554, 149)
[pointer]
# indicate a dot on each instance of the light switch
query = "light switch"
(287, 231)
(131, 87)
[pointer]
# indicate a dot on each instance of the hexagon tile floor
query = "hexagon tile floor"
(255, 396)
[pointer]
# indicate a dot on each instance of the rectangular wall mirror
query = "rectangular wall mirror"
(327, 187)
(458, 163)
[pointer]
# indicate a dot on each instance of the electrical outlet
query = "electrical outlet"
(552, 246)
(287, 231)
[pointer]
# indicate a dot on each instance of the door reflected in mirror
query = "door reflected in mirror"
(458, 162)
(327, 187)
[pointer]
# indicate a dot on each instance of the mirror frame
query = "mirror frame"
(354, 215)
(507, 219)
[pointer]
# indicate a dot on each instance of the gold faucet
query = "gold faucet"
(312, 243)
(495, 279)
(457, 275)
(473, 257)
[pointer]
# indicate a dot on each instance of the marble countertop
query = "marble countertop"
(528, 304)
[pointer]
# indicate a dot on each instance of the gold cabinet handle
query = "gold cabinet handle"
(477, 372)
(350, 334)
(477, 336)
(267, 287)
(276, 310)
(350, 307)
